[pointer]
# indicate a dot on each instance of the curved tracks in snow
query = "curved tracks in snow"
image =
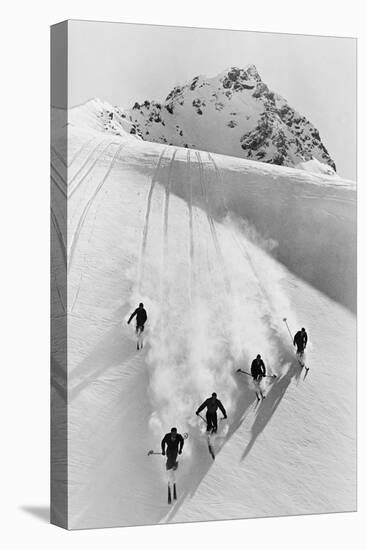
(88, 205)
(145, 230)
(72, 189)
(212, 225)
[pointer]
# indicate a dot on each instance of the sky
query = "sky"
(122, 63)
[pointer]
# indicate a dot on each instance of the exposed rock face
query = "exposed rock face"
(235, 114)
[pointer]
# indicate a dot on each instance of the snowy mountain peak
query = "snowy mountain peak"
(101, 116)
(236, 75)
(233, 113)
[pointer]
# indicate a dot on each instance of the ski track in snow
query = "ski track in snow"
(62, 187)
(146, 221)
(80, 151)
(59, 187)
(94, 163)
(211, 223)
(192, 347)
(192, 269)
(164, 291)
(75, 237)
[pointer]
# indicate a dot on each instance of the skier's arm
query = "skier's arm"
(263, 368)
(163, 442)
(305, 339)
(222, 408)
(201, 407)
(181, 444)
(252, 367)
(132, 316)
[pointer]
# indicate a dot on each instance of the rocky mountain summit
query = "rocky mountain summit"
(234, 113)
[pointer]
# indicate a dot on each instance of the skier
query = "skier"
(174, 445)
(258, 369)
(141, 317)
(212, 404)
(300, 341)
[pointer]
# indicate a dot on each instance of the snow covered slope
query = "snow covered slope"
(233, 113)
(219, 249)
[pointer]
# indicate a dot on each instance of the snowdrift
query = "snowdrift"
(219, 250)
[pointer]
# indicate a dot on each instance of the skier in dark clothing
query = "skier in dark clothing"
(258, 369)
(173, 442)
(300, 341)
(212, 404)
(141, 317)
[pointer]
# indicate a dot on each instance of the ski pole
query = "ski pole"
(274, 375)
(153, 453)
(204, 419)
(244, 372)
(248, 374)
(285, 321)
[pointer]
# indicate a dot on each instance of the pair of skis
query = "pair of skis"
(169, 483)
(259, 394)
(209, 434)
(170, 492)
(302, 364)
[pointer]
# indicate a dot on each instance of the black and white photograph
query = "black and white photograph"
(182, 298)
(203, 275)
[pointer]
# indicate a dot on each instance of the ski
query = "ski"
(174, 492)
(209, 434)
(210, 448)
(302, 365)
(169, 494)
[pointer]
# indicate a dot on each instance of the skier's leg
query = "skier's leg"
(139, 330)
(137, 337)
(214, 422)
(209, 421)
(171, 463)
(175, 466)
(168, 464)
(300, 355)
(141, 336)
(256, 386)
